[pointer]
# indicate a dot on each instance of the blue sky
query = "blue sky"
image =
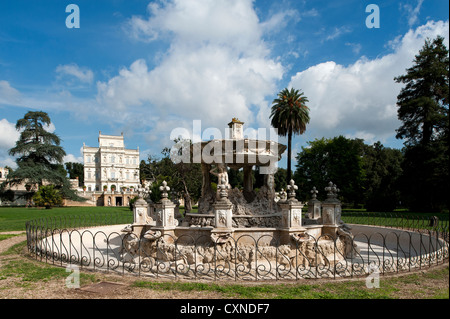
(147, 67)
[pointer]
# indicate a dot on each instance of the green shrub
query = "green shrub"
(47, 196)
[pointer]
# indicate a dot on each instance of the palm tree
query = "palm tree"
(290, 115)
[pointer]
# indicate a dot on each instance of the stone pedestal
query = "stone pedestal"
(331, 210)
(151, 210)
(329, 213)
(329, 219)
(291, 220)
(291, 215)
(223, 214)
(140, 217)
(223, 221)
(314, 210)
(314, 206)
(165, 215)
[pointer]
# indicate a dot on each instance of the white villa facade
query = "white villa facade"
(110, 167)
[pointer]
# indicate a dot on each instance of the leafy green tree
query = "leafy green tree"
(47, 196)
(382, 168)
(185, 179)
(40, 156)
(236, 178)
(423, 110)
(337, 160)
(75, 170)
(289, 115)
(280, 178)
(7, 195)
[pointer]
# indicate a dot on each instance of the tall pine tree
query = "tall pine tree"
(39, 156)
(423, 109)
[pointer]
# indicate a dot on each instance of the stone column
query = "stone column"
(331, 210)
(248, 193)
(140, 208)
(151, 208)
(223, 216)
(291, 215)
(165, 211)
(140, 212)
(314, 206)
(248, 178)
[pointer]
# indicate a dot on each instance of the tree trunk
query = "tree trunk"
(187, 199)
(289, 174)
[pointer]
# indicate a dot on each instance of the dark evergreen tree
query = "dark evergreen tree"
(40, 156)
(382, 168)
(423, 109)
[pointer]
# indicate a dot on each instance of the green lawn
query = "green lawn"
(418, 285)
(398, 219)
(14, 218)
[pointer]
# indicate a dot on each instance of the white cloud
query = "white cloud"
(9, 135)
(217, 67)
(356, 47)
(337, 32)
(412, 13)
(50, 127)
(8, 94)
(72, 158)
(279, 20)
(201, 21)
(359, 100)
(5, 160)
(84, 75)
(369, 138)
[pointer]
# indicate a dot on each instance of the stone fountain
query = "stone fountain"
(230, 217)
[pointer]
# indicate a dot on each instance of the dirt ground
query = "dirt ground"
(111, 286)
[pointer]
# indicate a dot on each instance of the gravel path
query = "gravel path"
(5, 244)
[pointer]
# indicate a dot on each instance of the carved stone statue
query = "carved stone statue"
(222, 174)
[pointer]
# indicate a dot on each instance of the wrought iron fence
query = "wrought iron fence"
(64, 241)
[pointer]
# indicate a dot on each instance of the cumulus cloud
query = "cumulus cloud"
(84, 75)
(8, 137)
(217, 67)
(72, 158)
(359, 100)
(8, 94)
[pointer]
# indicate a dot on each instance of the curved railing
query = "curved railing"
(95, 243)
